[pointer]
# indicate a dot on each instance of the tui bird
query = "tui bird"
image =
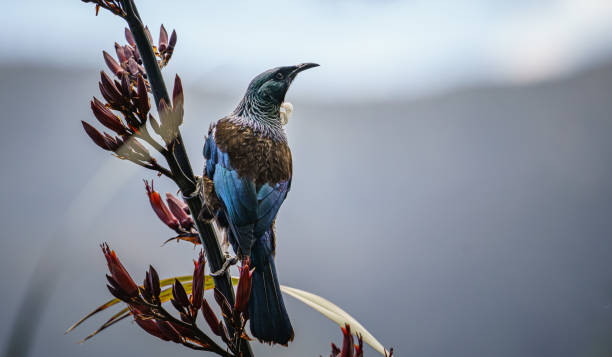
(246, 179)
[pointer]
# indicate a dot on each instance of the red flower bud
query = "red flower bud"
(118, 273)
(121, 55)
(125, 86)
(96, 136)
(107, 118)
(132, 66)
(179, 295)
(213, 322)
(177, 91)
(113, 143)
(112, 64)
(128, 52)
(359, 347)
(151, 284)
(143, 98)
(163, 39)
(347, 342)
(116, 290)
(179, 209)
(160, 207)
(172, 42)
(335, 350)
(136, 55)
(197, 287)
(129, 38)
(243, 291)
(109, 90)
(177, 102)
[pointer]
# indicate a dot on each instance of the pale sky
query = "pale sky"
(370, 49)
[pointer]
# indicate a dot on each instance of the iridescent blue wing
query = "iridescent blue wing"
(269, 200)
(250, 211)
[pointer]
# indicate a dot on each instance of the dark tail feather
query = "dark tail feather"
(269, 320)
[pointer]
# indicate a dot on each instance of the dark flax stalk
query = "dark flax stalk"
(178, 162)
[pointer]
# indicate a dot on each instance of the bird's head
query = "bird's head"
(272, 85)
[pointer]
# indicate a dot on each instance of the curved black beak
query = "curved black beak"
(302, 67)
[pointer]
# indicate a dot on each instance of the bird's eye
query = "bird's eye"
(279, 76)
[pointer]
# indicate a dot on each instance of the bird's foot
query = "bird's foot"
(198, 189)
(226, 265)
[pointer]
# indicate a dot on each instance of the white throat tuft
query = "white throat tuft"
(285, 112)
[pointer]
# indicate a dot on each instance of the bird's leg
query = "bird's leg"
(226, 265)
(198, 188)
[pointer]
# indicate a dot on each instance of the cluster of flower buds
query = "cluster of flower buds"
(134, 104)
(128, 94)
(145, 305)
(188, 307)
(349, 348)
(129, 65)
(175, 214)
(243, 290)
(165, 46)
(122, 286)
(128, 58)
(163, 51)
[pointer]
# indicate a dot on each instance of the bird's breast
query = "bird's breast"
(254, 156)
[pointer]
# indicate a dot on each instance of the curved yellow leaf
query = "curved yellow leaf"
(334, 313)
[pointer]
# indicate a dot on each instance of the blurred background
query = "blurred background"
(452, 188)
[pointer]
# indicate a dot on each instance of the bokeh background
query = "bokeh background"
(452, 190)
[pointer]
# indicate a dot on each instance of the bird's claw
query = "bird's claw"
(226, 265)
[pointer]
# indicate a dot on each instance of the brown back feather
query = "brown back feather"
(253, 156)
